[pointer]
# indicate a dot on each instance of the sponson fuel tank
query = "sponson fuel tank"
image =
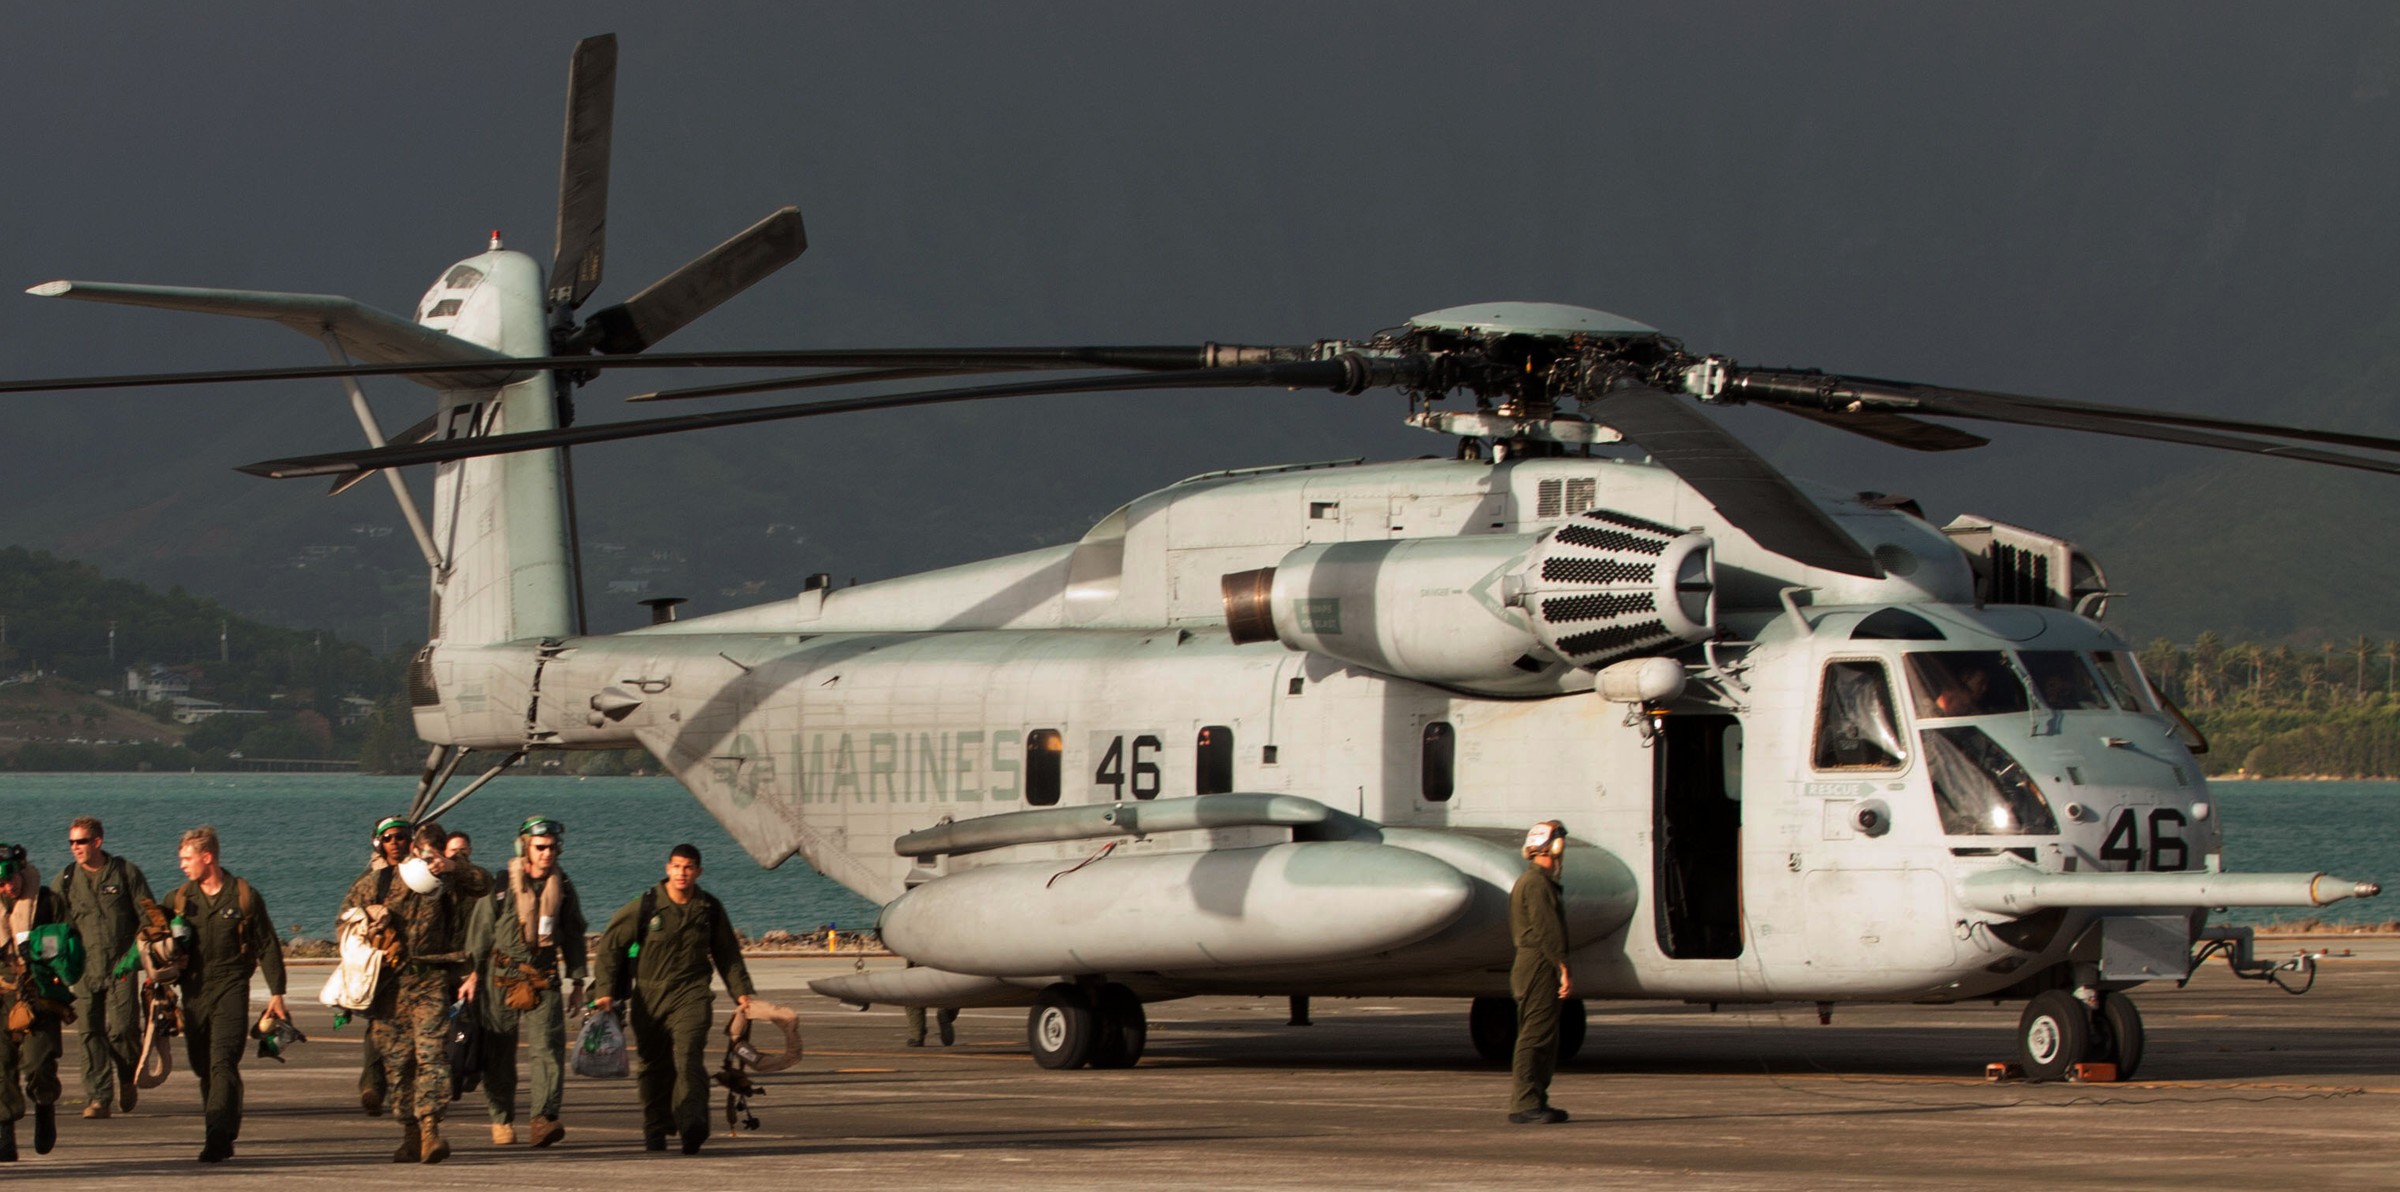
(1278, 904)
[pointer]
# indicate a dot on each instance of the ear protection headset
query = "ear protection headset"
(1547, 837)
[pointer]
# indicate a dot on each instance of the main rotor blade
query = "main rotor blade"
(1794, 389)
(1992, 408)
(1745, 488)
(1144, 358)
(1899, 430)
(699, 287)
(856, 376)
(1346, 375)
(583, 171)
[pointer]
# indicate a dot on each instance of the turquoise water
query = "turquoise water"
(302, 838)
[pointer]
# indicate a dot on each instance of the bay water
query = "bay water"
(302, 838)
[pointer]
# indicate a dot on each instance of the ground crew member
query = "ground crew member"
(29, 1033)
(392, 834)
(529, 932)
(1539, 978)
(944, 1017)
(667, 940)
(425, 912)
(102, 893)
(227, 936)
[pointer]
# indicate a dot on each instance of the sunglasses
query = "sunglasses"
(542, 848)
(389, 837)
(83, 840)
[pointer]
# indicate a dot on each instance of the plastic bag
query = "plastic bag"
(600, 1048)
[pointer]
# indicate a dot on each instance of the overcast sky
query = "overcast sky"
(2160, 204)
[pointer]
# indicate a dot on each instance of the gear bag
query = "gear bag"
(462, 1048)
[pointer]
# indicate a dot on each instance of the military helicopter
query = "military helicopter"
(1278, 730)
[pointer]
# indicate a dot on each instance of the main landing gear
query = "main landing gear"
(2058, 1031)
(1072, 1026)
(1492, 1024)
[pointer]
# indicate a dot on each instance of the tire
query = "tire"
(1492, 1024)
(1063, 1029)
(2053, 1035)
(1570, 1029)
(2117, 1034)
(1124, 1028)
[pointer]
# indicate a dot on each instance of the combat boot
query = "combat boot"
(436, 1148)
(503, 1133)
(8, 1142)
(412, 1144)
(547, 1131)
(45, 1128)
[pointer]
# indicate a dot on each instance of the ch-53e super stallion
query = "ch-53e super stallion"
(1278, 731)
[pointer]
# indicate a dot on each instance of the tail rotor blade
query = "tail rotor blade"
(699, 287)
(583, 171)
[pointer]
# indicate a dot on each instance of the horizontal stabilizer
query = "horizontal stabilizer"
(367, 334)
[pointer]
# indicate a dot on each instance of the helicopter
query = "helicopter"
(1278, 730)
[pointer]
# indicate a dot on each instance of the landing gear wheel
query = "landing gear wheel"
(1063, 1029)
(2054, 1035)
(1124, 1029)
(2117, 1034)
(1570, 1028)
(1492, 1024)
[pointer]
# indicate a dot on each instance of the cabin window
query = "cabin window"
(1856, 729)
(462, 277)
(2062, 680)
(2116, 671)
(1438, 762)
(1964, 683)
(442, 309)
(1980, 790)
(1044, 750)
(1213, 770)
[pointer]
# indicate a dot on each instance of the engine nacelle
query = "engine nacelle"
(1499, 614)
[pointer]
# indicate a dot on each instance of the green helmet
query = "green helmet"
(542, 825)
(390, 822)
(12, 859)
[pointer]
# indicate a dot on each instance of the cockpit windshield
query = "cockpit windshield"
(1979, 789)
(2117, 671)
(1947, 683)
(2062, 680)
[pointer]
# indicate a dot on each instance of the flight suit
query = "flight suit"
(407, 1023)
(1538, 921)
(28, 1061)
(229, 941)
(104, 908)
(672, 1003)
(496, 937)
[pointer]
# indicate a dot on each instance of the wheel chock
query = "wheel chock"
(2002, 1073)
(2093, 1074)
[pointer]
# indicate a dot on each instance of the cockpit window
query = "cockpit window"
(1980, 790)
(1855, 726)
(2117, 671)
(461, 277)
(1964, 683)
(2062, 680)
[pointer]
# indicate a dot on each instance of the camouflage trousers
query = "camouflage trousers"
(409, 1043)
(28, 1065)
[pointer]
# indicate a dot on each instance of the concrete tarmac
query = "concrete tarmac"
(2243, 1087)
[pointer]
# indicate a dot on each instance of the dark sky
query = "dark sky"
(2185, 205)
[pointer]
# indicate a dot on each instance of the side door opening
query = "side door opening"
(1697, 777)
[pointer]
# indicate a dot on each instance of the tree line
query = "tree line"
(2278, 710)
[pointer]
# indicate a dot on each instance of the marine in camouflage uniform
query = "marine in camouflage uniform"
(675, 934)
(103, 894)
(409, 1017)
(227, 936)
(501, 940)
(391, 842)
(28, 1059)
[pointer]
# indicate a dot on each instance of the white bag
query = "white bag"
(352, 985)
